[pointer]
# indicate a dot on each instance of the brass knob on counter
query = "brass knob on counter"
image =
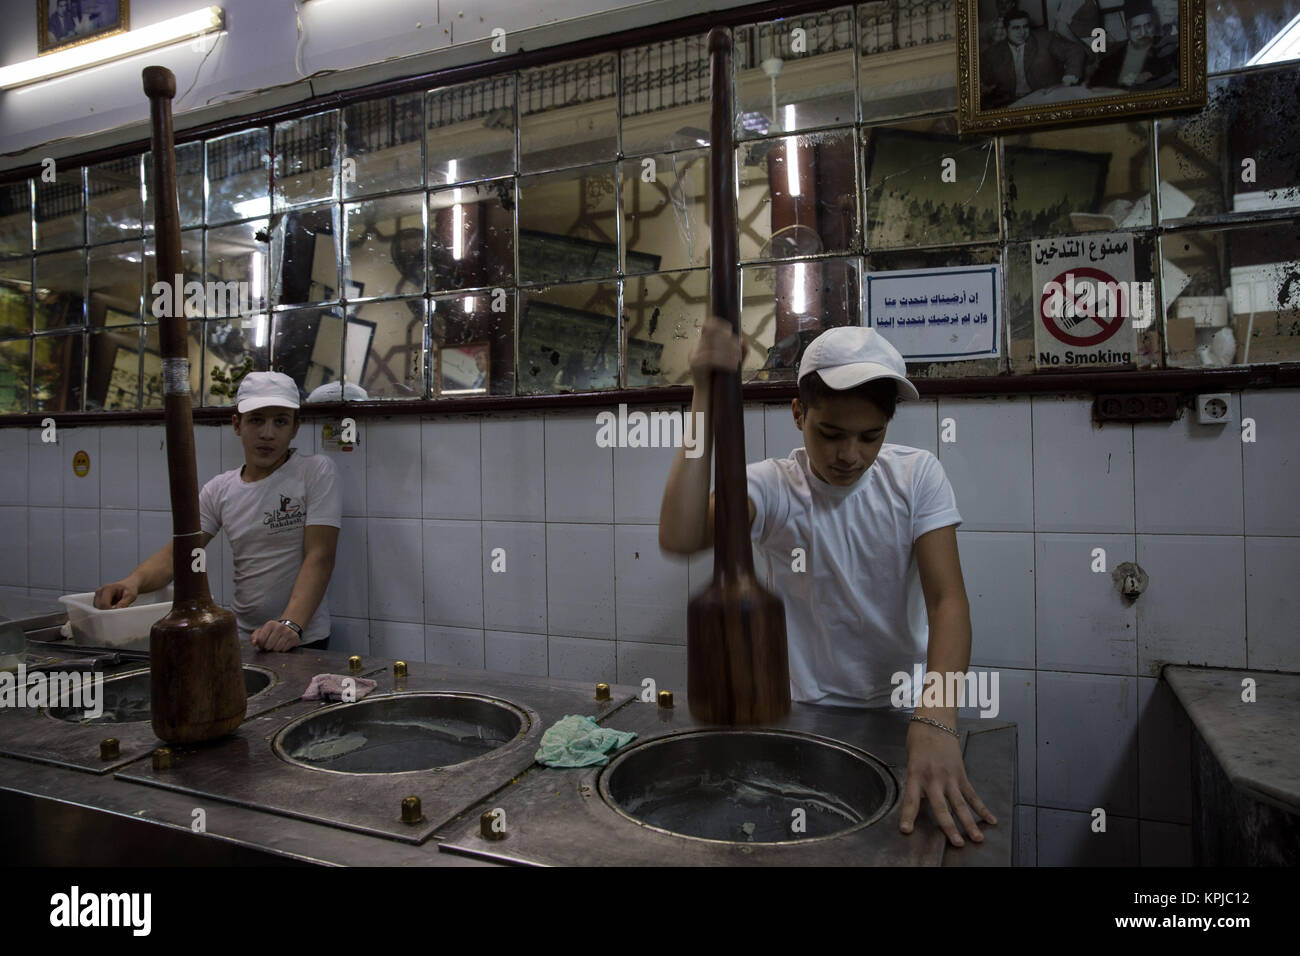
(489, 828)
(399, 668)
(354, 662)
(665, 698)
(109, 749)
(602, 691)
(162, 758)
(411, 812)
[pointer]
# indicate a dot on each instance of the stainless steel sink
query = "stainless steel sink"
(748, 786)
(400, 734)
(127, 698)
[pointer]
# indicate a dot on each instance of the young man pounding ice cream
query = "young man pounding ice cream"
(281, 512)
(877, 523)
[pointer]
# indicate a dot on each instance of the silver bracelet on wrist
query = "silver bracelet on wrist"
(934, 723)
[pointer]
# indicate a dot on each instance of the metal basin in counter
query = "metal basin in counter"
(760, 786)
(127, 698)
(401, 734)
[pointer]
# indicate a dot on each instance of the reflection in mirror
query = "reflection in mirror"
(1232, 296)
(471, 236)
(566, 225)
(57, 367)
(385, 250)
(921, 260)
(306, 156)
(232, 348)
(113, 369)
(307, 345)
(15, 374)
(238, 176)
(156, 304)
(666, 95)
(382, 145)
(568, 113)
(114, 207)
(473, 344)
(927, 188)
(60, 210)
(1064, 182)
(15, 297)
(305, 257)
(798, 196)
(383, 349)
(906, 54)
(1024, 302)
(234, 254)
(471, 131)
(662, 315)
(151, 385)
(116, 280)
(189, 186)
(665, 220)
(60, 289)
(1247, 32)
(568, 339)
(787, 305)
(795, 73)
(1235, 155)
(16, 218)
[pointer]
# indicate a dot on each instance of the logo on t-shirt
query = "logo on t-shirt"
(289, 515)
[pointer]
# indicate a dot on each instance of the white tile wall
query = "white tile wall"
(580, 580)
(665, 665)
(1083, 621)
(515, 653)
(579, 474)
(640, 475)
(577, 658)
(650, 587)
(1026, 836)
(452, 646)
(915, 424)
(1164, 754)
(119, 470)
(453, 573)
(1194, 610)
(80, 549)
(351, 467)
(988, 463)
(349, 635)
(514, 456)
(451, 470)
(396, 640)
(45, 548)
(393, 481)
(349, 590)
(1087, 763)
(1188, 476)
(119, 544)
(395, 569)
(1271, 462)
(1273, 601)
(514, 599)
(44, 470)
(13, 473)
(154, 494)
(1066, 838)
(13, 532)
(998, 570)
(1086, 483)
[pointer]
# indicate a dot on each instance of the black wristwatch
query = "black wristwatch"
(296, 629)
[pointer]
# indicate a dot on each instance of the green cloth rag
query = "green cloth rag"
(577, 741)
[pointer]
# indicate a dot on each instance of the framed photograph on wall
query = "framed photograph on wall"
(1024, 63)
(464, 369)
(64, 23)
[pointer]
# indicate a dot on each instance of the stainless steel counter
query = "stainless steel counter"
(258, 807)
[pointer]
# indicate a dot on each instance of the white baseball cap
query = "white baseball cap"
(848, 355)
(335, 392)
(260, 389)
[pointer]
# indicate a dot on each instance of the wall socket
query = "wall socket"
(1214, 409)
(1136, 407)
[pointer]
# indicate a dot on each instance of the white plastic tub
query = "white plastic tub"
(120, 627)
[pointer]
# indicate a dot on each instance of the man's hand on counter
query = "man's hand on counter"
(935, 771)
(274, 636)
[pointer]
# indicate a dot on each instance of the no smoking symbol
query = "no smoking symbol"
(1109, 324)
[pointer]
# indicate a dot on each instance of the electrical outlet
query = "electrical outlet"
(1136, 407)
(1214, 409)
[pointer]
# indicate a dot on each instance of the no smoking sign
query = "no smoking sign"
(1084, 298)
(1080, 299)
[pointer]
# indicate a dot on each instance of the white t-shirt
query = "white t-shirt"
(857, 614)
(264, 521)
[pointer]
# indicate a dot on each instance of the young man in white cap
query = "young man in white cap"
(877, 523)
(282, 514)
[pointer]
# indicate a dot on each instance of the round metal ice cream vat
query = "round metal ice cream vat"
(126, 698)
(401, 733)
(748, 786)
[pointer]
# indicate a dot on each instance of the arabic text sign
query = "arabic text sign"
(940, 315)
(1084, 298)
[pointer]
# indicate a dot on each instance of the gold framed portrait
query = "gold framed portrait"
(1023, 63)
(61, 24)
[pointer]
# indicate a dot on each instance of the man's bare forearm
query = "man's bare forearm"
(154, 572)
(684, 513)
(948, 651)
(309, 588)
